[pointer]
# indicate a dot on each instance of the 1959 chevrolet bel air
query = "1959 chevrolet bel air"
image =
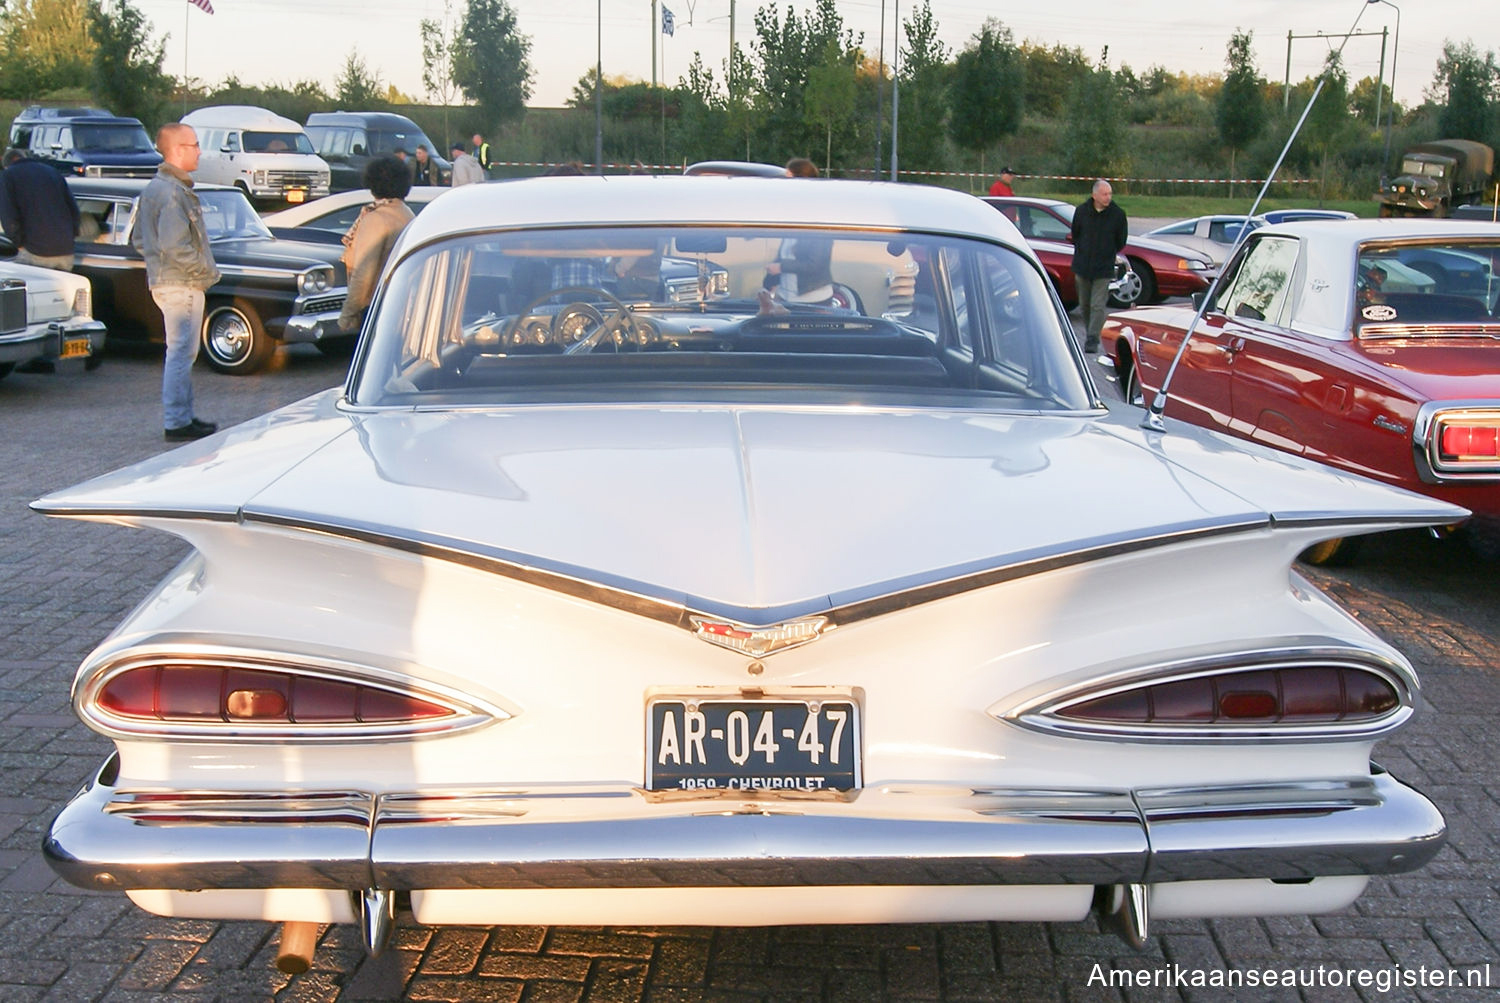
(786, 605)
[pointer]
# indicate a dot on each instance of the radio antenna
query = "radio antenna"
(1153, 420)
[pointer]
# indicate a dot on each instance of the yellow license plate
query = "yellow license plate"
(296, 195)
(76, 348)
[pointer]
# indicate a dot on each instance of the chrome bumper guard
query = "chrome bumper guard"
(312, 327)
(108, 837)
(47, 342)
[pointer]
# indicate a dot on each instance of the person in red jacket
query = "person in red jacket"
(1003, 186)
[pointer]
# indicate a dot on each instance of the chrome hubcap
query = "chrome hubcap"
(228, 336)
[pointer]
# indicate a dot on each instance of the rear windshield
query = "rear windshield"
(277, 142)
(1443, 286)
(112, 139)
(387, 141)
(661, 312)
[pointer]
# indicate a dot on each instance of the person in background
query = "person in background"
(466, 170)
(482, 154)
(171, 236)
(368, 242)
(1006, 184)
(1099, 233)
(801, 167)
(399, 153)
(37, 212)
(424, 170)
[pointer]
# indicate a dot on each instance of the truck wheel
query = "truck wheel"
(234, 341)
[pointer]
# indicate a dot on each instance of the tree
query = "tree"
(126, 75)
(1050, 75)
(1241, 111)
(358, 86)
(1464, 90)
(492, 60)
(988, 89)
(47, 47)
(437, 60)
(924, 74)
(1329, 123)
(785, 51)
(829, 98)
(1096, 129)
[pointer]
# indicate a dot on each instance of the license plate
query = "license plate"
(75, 348)
(752, 745)
(296, 195)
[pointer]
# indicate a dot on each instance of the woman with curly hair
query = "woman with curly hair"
(368, 242)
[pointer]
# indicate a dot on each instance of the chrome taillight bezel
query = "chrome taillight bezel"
(467, 711)
(1041, 712)
(1427, 439)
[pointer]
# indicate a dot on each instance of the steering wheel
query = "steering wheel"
(585, 295)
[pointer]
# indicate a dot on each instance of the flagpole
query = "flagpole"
(186, 17)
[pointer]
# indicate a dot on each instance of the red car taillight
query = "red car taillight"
(1462, 441)
(191, 693)
(1311, 695)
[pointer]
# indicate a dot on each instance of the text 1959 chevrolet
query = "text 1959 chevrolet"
(772, 605)
(1370, 345)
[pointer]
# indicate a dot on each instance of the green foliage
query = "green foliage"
(127, 77)
(1096, 145)
(492, 60)
(1050, 75)
(924, 75)
(1241, 111)
(358, 86)
(46, 46)
(987, 89)
(437, 56)
(296, 101)
(1464, 90)
(784, 53)
(830, 94)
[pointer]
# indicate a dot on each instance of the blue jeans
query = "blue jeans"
(182, 313)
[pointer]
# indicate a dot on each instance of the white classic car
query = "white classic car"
(46, 316)
(576, 607)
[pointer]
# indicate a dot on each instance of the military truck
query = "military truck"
(1437, 176)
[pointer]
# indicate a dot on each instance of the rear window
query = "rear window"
(671, 313)
(1446, 287)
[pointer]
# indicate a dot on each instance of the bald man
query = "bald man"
(1099, 233)
(170, 235)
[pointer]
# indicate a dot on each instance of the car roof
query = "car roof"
(1329, 248)
(296, 215)
(675, 199)
(361, 118)
(126, 187)
(1021, 200)
(735, 168)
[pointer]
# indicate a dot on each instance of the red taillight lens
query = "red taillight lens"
(197, 693)
(1463, 442)
(1284, 695)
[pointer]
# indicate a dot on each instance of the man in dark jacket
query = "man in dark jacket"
(1099, 233)
(37, 212)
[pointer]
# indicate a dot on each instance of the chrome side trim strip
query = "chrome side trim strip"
(110, 838)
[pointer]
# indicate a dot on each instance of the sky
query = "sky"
(283, 41)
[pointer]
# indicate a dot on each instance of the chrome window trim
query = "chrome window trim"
(1037, 713)
(468, 712)
(1424, 443)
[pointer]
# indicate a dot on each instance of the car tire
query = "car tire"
(1130, 386)
(1336, 553)
(234, 341)
(1483, 538)
(93, 362)
(1150, 291)
(337, 348)
(5, 368)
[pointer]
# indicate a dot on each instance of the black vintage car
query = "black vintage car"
(272, 290)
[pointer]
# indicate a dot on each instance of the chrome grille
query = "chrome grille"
(323, 304)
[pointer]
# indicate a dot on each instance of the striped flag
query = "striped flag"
(204, 5)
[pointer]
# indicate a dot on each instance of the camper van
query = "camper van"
(349, 140)
(266, 156)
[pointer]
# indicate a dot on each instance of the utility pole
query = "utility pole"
(895, 87)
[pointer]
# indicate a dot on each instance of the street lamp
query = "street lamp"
(1395, 51)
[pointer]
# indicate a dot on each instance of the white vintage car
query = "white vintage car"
(576, 607)
(46, 316)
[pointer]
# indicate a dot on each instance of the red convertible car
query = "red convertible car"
(1370, 345)
(1164, 269)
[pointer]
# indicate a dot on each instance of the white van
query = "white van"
(266, 156)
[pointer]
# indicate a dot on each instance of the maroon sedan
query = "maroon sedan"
(1165, 269)
(1370, 345)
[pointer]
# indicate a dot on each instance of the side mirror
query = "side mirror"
(1198, 298)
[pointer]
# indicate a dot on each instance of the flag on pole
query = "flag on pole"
(204, 5)
(668, 22)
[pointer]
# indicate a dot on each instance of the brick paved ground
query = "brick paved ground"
(63, 585)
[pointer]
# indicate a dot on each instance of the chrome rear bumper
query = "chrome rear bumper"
(107, 837)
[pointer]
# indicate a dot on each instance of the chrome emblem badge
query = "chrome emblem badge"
(1378, 312)
(759, 640)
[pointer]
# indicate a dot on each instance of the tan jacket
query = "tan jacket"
(374, 234)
